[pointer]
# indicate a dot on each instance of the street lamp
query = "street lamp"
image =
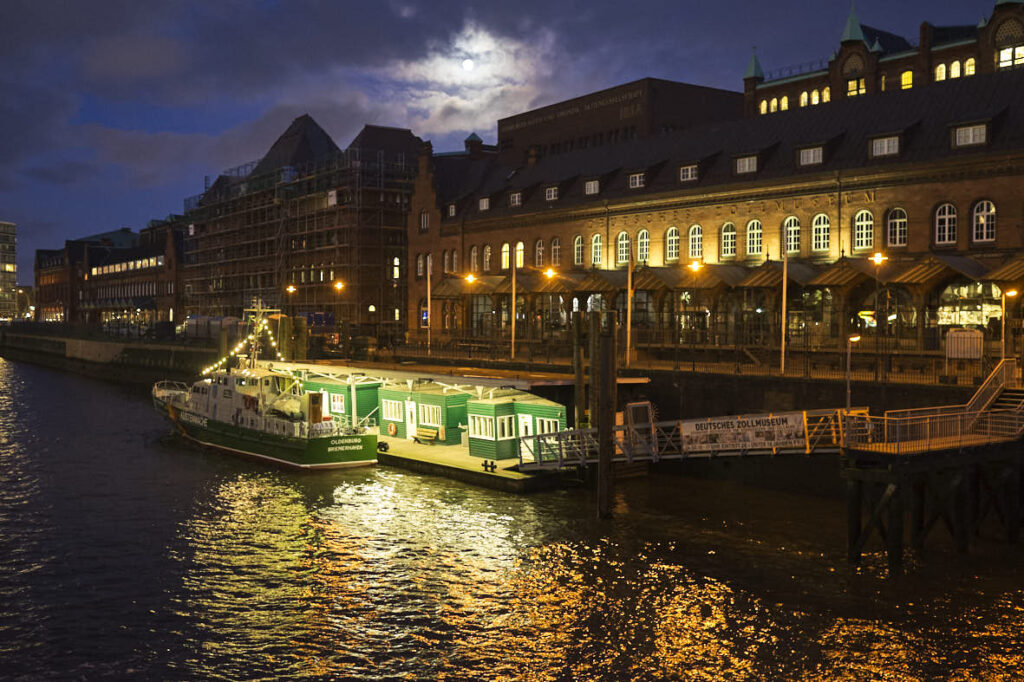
(1011, 293)
(852, 339)
(878, 259)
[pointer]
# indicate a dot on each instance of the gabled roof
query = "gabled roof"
(889, 42)
(303, 142)
(392, 141)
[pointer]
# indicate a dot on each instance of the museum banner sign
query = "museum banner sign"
(744, 432)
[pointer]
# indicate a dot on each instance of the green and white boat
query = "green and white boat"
(266, 414)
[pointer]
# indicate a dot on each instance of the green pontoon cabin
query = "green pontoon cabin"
(342, 392)
(498, 418)
(428, 411)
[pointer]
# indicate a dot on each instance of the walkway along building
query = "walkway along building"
(314, 229)
(928, 176)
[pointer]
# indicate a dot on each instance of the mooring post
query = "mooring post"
(854, 505)
(594, 363)
(580, 397)
(606, 417)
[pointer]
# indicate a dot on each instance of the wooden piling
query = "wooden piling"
(606, 416)
(580, 396)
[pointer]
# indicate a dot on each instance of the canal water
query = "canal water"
(125, 553)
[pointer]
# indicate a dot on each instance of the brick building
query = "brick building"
(927, 176)
(304, 218)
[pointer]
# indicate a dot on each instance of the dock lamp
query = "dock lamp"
(471, 278)
(1011, 293)
(852, 339)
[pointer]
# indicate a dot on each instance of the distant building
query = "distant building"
(8, 271)
(314, 229)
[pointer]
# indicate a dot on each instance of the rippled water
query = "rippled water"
(126, 553)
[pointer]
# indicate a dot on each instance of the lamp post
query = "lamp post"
(1002, 338)
(550, 274)
(695, 267)
(291, 289)
(429, 316)
(850, 340)
(878, 259)
(515, 266)
(339, 286)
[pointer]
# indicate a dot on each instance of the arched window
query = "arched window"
(969, 66)
(804, 98)
(764, 106)
(791, 228)
(424, 221)
(487, 258)
(447, 262)
(520, 254)
(815, 97)
(820, 232)
(907, 80)
(622, 248)
(430, 264)
(474, 259)
(538, 253)
(863, 230)
(945, 224)
(954, 69)
(728, 241)
(984, 221)
(672, 244)
(896, 227)
(784, 103)
(577, 250)
(396, 268)
(419, 265)
(940, 72)
(505, 256)
(826, 95)
(754, 231)
(643, 246)
(773, 106)
(455, 260)
(556, 251)
(696, 241)
(596, 255)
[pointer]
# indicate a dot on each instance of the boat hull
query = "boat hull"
(326, 452)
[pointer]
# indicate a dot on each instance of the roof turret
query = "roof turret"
(852, 30)
(754, 68)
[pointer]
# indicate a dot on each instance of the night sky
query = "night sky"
(113, 112)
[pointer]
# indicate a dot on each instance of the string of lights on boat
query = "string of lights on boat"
(262, 326)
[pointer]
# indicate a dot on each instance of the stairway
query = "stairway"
(1008, 399)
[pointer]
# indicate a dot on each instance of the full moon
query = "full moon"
(467, 64)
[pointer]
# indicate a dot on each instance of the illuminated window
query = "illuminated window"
(391, 410)
(637, 180)
(773, 106)
(484, 204)
(520, 254)
(746, 164)
(487, 258)
(419, 267)
(945, 224)
(596, 255)
(451, 210)
(885, 146)
(556, 251)
(820, 232)
(826, 95)
(906, 80)
(969, 136)
(474, 259)
(688, 173)
(538, 253)
(696, 241)
(791, 229)
(897, 227)
(550, 193)
(506, 427)
(728, 243)
(954, 69)
(591, 187)
(863, 230)
(764, 106)
(854, 87)
(672, 244)
(940, 72)
(577, 250)
(754, 231)
(430, 415)
(882, 83)
(969, 66)
(622, 248)
(984, 220)
(424, 221)
(811, 156)
(643, 246)
(446, 264)
(804, 98)
(515, 199)
(815, 97)
(506, 256)
(1011, 56)
(481, 427)
(784, 103)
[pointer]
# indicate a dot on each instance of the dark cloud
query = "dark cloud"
(64, 173)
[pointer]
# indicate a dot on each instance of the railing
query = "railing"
(1005, 374)
(930, 432)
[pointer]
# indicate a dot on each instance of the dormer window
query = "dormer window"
(688, 173)
(970, 135)
(484, 204)
(550, 193)
(515, 199)
(591, 187)
(451, 210)
(637, 180)
(885, 146)
(811, 156)
(746, 164)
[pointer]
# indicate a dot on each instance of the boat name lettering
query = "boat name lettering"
(345, 444)
(193, 419)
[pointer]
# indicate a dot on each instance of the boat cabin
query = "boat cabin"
(498, 418)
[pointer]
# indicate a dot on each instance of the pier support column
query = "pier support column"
(580, 395)
(606, 416)
(894, 531)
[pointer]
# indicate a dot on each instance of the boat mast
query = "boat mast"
(258, 317)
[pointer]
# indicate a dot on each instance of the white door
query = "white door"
(526, 429)
(410, 419)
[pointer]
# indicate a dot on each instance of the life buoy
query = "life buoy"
(392, 429)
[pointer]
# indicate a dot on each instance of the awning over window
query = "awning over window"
(457, 287)
(769, 274)
(934, 267)
(1010, 271)
(847, 272)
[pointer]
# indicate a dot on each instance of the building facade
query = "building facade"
(700, 219)
(8, 271)
(311, 228)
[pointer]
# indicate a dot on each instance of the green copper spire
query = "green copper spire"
(852, 31)
(754, 68)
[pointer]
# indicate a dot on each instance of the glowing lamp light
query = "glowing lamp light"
(470, 278)
(1011, 293)
(338, 286)
(878, 258)
(854, 338)
(695, 265)
(291, 289)
(549, 273)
